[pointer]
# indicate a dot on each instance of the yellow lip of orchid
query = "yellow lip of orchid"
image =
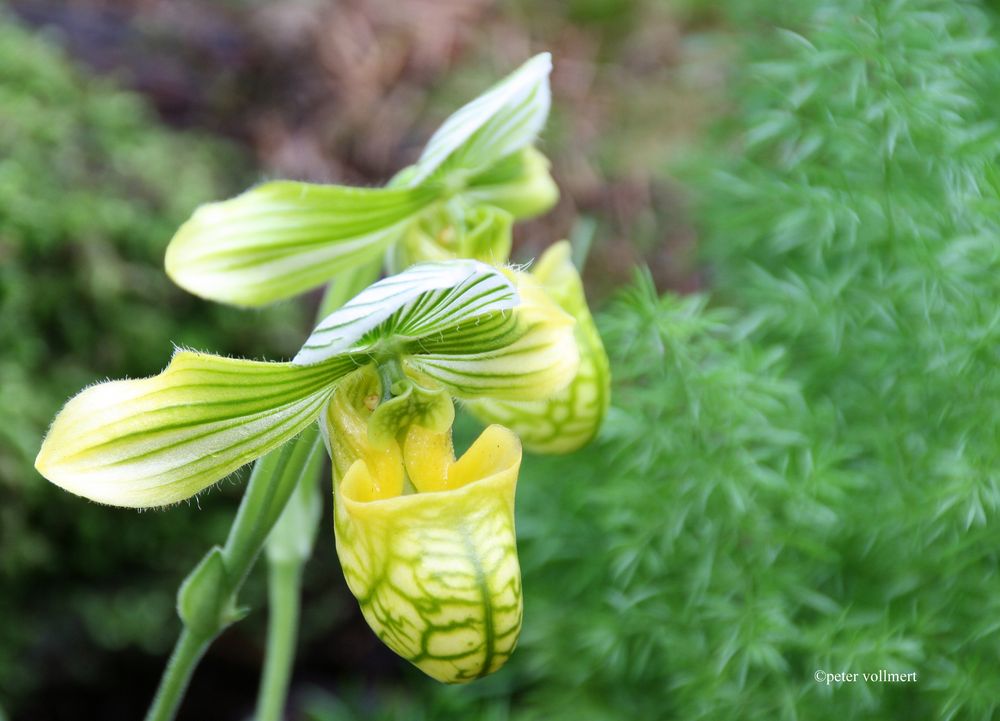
(435, 571)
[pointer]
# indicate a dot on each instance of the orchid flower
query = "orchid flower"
(411, 343)
(453, 325)
(426, 540)
(282, 238)
(478, 173)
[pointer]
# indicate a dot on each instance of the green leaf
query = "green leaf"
(162, 439)
(424, 300)
(501, 121)
(282, 238)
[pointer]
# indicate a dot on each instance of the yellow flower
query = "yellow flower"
(426, 541)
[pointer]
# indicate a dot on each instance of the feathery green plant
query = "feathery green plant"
(805, 480)
(860, 224)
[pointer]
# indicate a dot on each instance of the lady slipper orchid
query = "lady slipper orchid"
(427, 542)
(478, 173)
(457, 326)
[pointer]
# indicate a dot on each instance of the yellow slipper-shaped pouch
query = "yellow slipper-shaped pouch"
(433, 561)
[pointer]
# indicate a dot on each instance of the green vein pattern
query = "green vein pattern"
(436, 574)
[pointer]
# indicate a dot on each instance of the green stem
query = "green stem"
(187, 652)
(284, 582)
(271, 484)
(272, 481)
(274, 478)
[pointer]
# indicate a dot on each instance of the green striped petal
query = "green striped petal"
(501, 121)
(159, 440)
(538, 355)
(435, 572)
(282, 238)
(429, 299)
(570, 418)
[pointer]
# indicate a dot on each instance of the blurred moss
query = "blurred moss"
(91, 189)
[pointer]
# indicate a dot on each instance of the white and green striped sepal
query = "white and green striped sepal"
(451, 299)
(501, 121)
(158, 440)
(283, 238)
(475, 330)
(537, 359)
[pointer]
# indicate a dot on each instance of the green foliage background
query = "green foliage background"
(800, 471)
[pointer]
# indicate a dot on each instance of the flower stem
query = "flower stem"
(274, 478)
(285, 565)
(284, 583)
(272, 481)
(187, 652)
